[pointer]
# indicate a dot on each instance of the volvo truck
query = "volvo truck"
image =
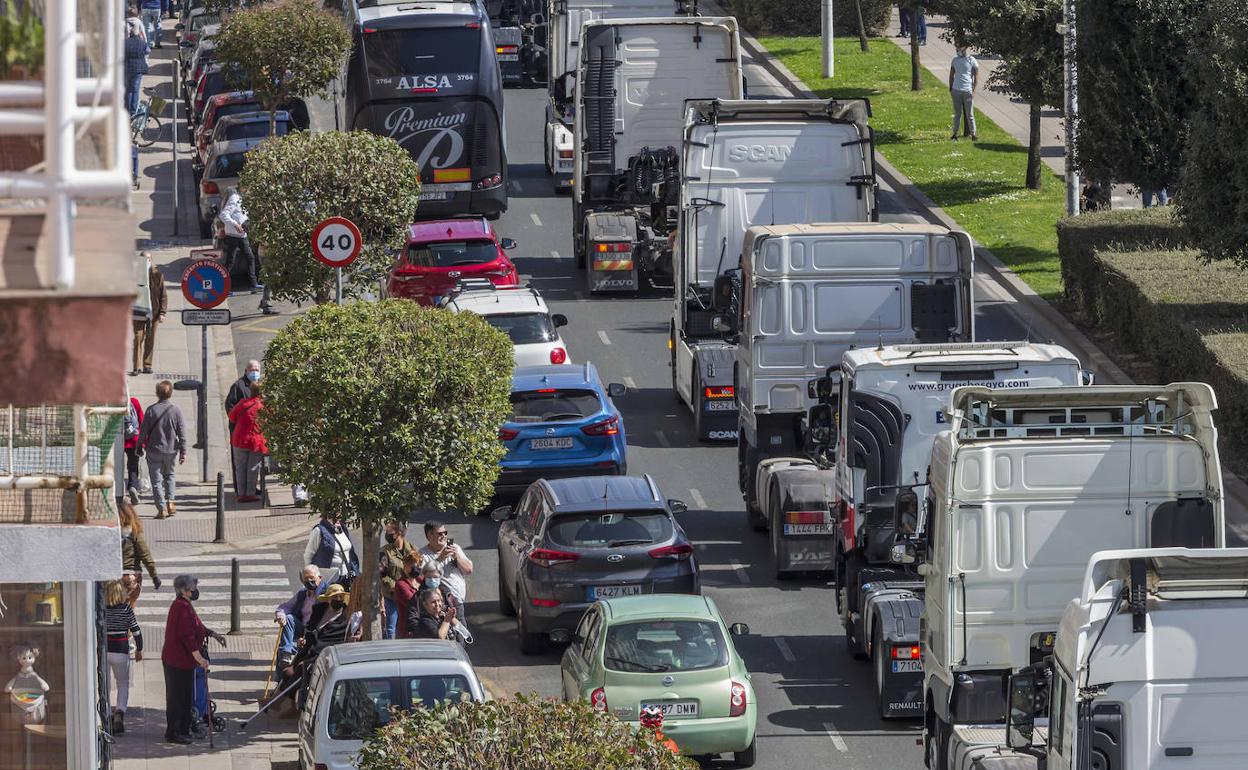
(745, 163)
(632, 81)
(1024, 487)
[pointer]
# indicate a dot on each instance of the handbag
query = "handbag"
(145, 476)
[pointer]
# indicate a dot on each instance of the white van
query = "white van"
(353, 687)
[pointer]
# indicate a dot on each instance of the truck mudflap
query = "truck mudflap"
(892, 608)
(610, 243)
(804, 553)
(714, 399)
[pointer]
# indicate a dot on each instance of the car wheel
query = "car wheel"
(505, 604)
(746, 758)
(880, 661)
(530, 644)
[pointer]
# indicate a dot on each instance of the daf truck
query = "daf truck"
(1024, 487)
(744, 163)
(632, 81)
(1148, 671)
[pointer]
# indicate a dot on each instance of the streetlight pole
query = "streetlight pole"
(829, 68)
(1071, 83)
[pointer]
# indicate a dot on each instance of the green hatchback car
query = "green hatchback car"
(671, 651)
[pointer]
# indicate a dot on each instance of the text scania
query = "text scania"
(995, 384)
(759, 152)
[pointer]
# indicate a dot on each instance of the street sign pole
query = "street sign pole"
(337, 285)
(203, 400)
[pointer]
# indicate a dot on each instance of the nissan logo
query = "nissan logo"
(615, 557)
(550, 431)
(668, 681)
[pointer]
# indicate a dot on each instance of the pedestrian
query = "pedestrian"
(182, 653)
(920, 24)
(405, 590)
(163, 438)
(329, 547)
(247, 444)
(963, 80)
(1159, 194)
(145, 327)
(241, 388)
(130, 427)
(135, 21)
(455, 564)
(135, 554)
(904, 15)
(136, 51)
(151, 20)
(234, 218)
(329, 624)
(431, 618)
(119, 626)
(394, 555)
(294, 613)
(431, 578)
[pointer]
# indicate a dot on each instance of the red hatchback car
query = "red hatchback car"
(441, 252)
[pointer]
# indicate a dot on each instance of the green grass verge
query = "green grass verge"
(980, 185)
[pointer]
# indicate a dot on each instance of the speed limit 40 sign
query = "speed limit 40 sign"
(336, 242)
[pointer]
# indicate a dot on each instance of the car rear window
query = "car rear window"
(360, 706)
(237, 108)
(665, 645)
(203, 20)
(228, 165)
(524, 328)
(553, 405)
(253, 130)
(609, 530)
(451, 253)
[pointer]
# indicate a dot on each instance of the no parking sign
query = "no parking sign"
(205, 284)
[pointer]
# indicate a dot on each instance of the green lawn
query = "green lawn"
(980, 185)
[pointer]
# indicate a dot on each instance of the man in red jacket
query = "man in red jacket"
(182, 654)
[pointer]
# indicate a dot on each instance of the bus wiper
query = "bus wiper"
(652, 668)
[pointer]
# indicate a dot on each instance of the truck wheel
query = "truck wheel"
(880, 661)
(852, 645)
(671, 341)
(936, 750)
(745, 473)
(696, 403)
(776, 528)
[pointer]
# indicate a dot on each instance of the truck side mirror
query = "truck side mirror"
(821, 425)
(721, 294)
(1087, 377)
(906, 514)
(902, 553)
(1020, 724)
(824, 388)
(722, 324)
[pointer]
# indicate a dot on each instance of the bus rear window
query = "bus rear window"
(453, 52)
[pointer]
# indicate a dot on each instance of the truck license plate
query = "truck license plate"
(907, 666)
(808, 529)
(674, 708)
(611, 592)
(433, 196)
(564, 442)
(508, 57)
(727, 405)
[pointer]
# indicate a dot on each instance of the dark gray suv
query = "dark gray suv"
(570, 542)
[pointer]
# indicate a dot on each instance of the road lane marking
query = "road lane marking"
(554, 254)
(603, 336)
(662, 437)
(742, 575)
(630, 382)
(533, 216)
(785, 651)
(837, 740)
(698, 499)
(525, 278)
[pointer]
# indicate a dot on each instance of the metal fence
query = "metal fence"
(57, 463)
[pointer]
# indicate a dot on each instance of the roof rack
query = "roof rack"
(984, 419)
(957, 347)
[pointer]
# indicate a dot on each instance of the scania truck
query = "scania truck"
(745, 163)
(1024, 487)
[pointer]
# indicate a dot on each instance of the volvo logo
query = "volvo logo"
(668, 681)
(615, 557)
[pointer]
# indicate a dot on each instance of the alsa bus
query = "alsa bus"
(426, 75)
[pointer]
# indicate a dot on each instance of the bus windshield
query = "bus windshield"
(435, 60)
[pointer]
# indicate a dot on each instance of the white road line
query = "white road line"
(603, 336)
(662, 437)
(786, 652)
(533, 216)
(630, 382)
(742, 575)
(837, 740)
(554, 254)
(525, 278)
(216, 557)
(698, 499)
(252, 582)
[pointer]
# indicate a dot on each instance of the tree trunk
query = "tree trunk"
(862, 28)
(367, 582)
(916, 66)
(1034, 165)
(272, 123)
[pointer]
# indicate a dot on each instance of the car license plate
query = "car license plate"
(674, 708)
(808, 529)
(433, 196)
(907, 666)
(508, 57)
(564, 442)
(727, 405)
(611, 592)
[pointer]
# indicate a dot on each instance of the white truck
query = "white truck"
(1148, 671)
(781, 161)
(632, 81)
(1024, 487)
(561, 31)
(806, 293)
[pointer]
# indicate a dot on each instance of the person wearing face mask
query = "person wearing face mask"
(405, 590)
(393, 555)
(239, 391)
(181, 654)
(247, 444)
(294, 614)
(329, 624)
(329, 547)
(455, 564)
(435, 620)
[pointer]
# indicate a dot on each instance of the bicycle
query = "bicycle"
(144, 125)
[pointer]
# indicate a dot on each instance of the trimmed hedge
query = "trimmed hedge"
(1079, 238)
(801, 17)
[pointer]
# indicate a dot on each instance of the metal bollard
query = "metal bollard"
(235, 610)
(220, 537)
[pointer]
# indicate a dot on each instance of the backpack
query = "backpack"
(131, 422)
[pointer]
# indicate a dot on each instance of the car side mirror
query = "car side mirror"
(559, 319)
(677, 506)
(615, 390)
(502, 513)
(821, 425)
(739, 629)
(906, 514)
(1020, 724)
(721, 293)
(507, 243)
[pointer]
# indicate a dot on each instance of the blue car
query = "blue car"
(562, 424)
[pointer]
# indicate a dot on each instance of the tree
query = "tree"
(282, 51)
(1023, 33)
(383, 407)
(1135, 89)
(290, 183)
(1213, 191)
(524, 733)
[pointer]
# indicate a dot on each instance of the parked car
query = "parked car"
(563, 423)
(197, 58)
(193, 28)
(442, 251)
(571, 542)
(221, 169)
(353, 687)
(669, 652)
(214, 80)
(522, 315)
(248, 125)
(222, 105)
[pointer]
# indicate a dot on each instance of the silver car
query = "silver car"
(222, 166)
(571, 542)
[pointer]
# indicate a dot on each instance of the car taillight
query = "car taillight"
(598, 699)
(805, 517)
(678, 551)
(736, 700)
(209, 188)
(506, 49)
(544, 602)
(488, 182)
(507, 434)
(907, 652)
(608, 427)
(565, 154)
(558, 355)
(719, 391)
(545, 557)
(603, 248)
